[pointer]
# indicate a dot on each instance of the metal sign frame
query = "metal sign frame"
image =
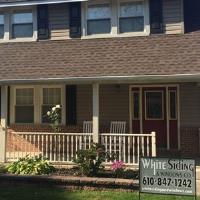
(176, 158)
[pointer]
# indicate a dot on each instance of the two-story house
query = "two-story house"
(125, 72)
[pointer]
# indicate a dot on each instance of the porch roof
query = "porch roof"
(160, 57)
(11, 3)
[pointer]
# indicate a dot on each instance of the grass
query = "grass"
(39, 193)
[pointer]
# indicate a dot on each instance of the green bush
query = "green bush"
(3, 169)
(31, 165)
(90, 160)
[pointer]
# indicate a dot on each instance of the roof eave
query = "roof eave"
(110, 79)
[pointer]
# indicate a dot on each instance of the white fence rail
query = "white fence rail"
(57, 147)
(62, 147)
(129, 147)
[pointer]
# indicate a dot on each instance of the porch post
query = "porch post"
(95, 112)
(3, 128)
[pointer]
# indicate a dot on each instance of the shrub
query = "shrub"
(3, 169)
(118, 168)
(90, 160)
(31, 165)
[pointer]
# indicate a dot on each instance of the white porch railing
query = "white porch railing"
(62, 147)
(57, 147)
(129, 147)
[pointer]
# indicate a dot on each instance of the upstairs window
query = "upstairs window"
(24, 108)
(98, 19)
(51, 98)
(131, 17)
(1, 26)
(22, 25)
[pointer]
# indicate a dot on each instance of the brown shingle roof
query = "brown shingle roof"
(152, 55)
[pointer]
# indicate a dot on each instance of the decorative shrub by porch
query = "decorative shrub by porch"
(31, 165)
(118, 167)
(2, 169)
(90, 160)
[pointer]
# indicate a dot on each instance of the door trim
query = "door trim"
(166, 86)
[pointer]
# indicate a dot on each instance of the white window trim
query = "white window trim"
(115, 20)
(62, 87)
(13, 103)
(38, 100)
(8, 24)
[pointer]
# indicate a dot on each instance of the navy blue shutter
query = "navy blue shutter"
(192, 15)
(43, 22)
(75, 19)
(71, 91)
(156, 16)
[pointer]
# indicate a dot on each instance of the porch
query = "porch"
(176, 133)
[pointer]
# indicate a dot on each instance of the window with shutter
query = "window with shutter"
(51, 98)
(24, 108)
(22, 25)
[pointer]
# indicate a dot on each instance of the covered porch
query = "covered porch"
(151, 114)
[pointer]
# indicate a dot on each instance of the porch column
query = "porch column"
(95, 87)
(3, 128)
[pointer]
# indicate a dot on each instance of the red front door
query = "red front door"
(155, 109)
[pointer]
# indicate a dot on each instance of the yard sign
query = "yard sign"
(168, 176)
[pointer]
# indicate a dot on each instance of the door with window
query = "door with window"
(155, 109)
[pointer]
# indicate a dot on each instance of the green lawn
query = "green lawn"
(38, 193)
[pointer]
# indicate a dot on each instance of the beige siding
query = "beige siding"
(59, 21)
(189, 105)
(114, 104)
(173, 16)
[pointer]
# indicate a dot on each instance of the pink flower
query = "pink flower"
(117, 165)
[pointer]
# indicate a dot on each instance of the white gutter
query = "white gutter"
(113, 79)
(40, 2)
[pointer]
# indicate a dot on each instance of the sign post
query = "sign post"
(170, 176)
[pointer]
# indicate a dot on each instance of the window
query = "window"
(98, 19)
(154, 104)
(1, 26)
(51, 98)
(172, 105)
(136, 105)
(22, 25)
(131, 17)
(24, 108)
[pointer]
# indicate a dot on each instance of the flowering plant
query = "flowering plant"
(118, 167)
(54, 117)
